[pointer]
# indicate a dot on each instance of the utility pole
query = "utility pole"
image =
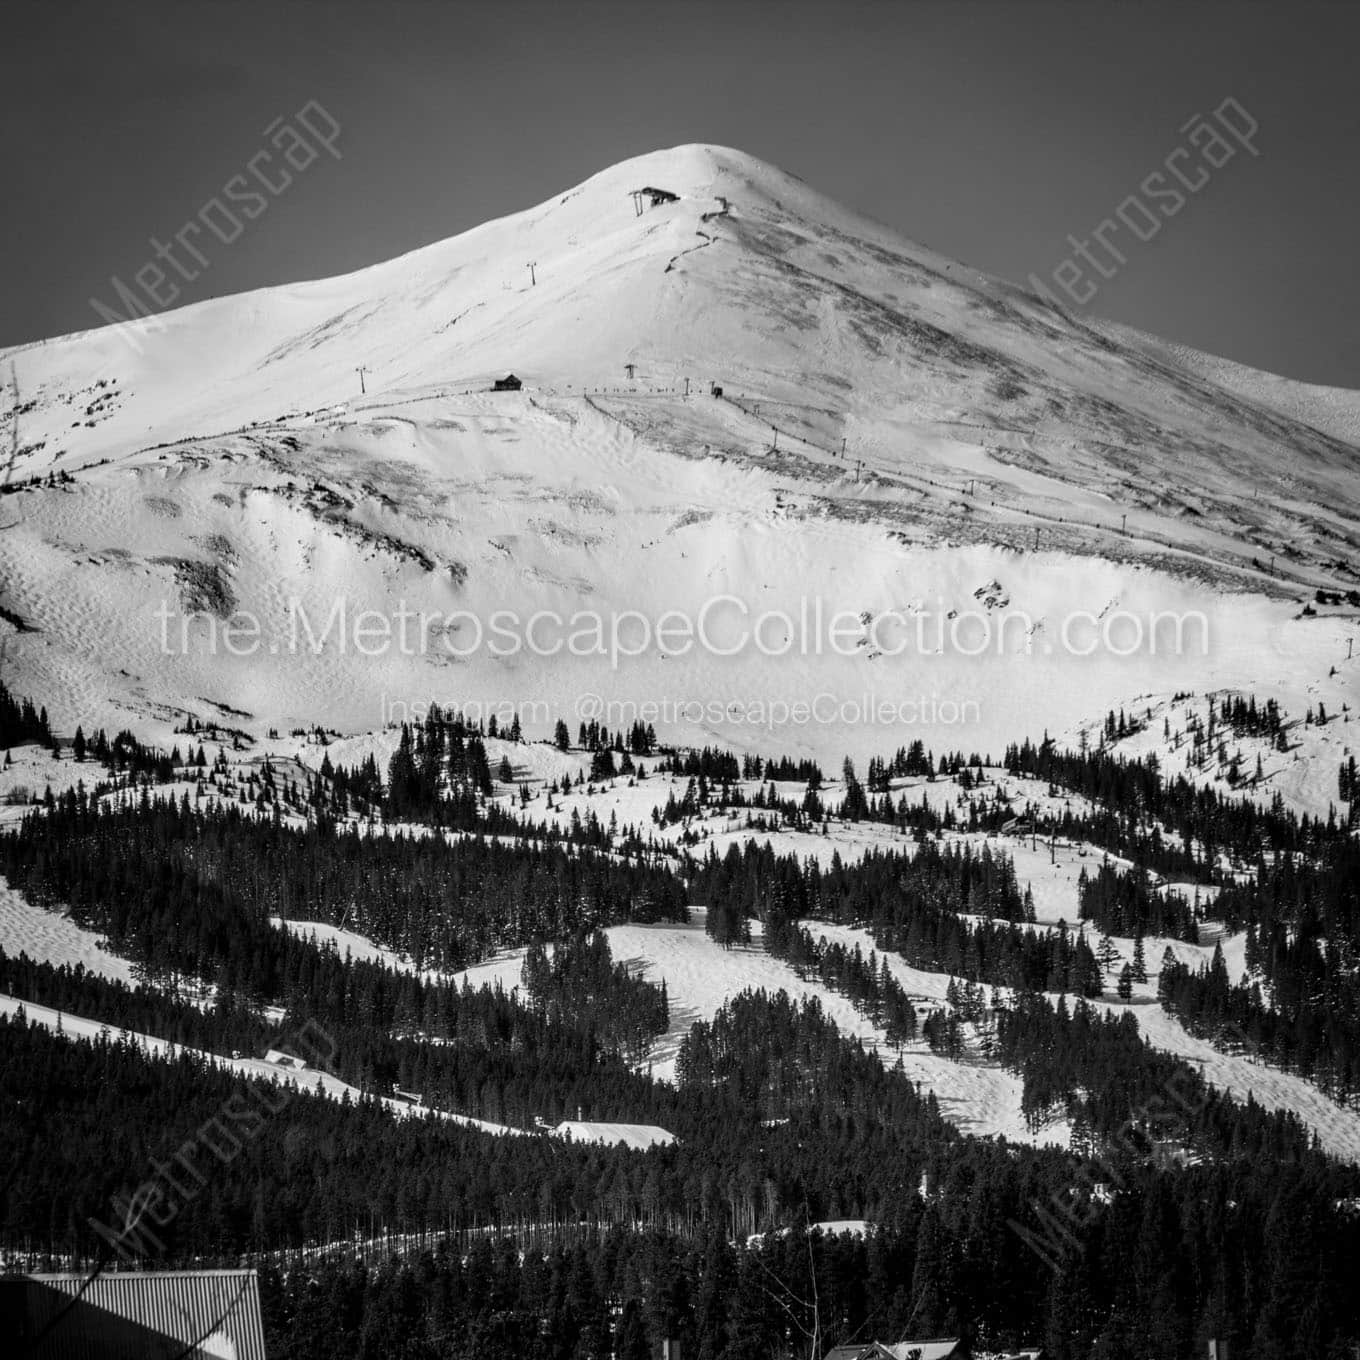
(8, 473)
(842, 448)
(687, 387)
(533, 278)
(361, 370)
(1123, 524)
(1036, 538)
(775, 428)
(14, 423)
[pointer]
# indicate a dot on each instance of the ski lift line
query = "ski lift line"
(14, 425)
(1147, 536)
(894, 475)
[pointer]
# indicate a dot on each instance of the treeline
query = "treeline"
(1170, 826)
(440, 773)
(440, 776)
(21, 721)
(193, 891)
(1134, 802)
(768, 809)
(125, 755)
(1175, 828)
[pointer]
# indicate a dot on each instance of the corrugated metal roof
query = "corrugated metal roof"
(938, 1349)
(135, 1315)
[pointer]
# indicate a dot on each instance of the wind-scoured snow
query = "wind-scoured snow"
(51, 937)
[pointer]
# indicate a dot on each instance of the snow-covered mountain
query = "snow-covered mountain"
(896, 432)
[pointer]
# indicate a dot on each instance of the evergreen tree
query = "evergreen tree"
(1125, 984)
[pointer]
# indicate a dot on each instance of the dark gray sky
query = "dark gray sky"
(988, 129)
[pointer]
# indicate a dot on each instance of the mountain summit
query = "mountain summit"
(740, 274)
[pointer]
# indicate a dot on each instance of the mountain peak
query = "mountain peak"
(727, 380)
(691, 267)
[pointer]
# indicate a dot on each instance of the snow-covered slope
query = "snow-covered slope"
(50, 937)
(701, 977)
(1333, 410)
(896, 432)
(750, 277)
(304, 1078)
